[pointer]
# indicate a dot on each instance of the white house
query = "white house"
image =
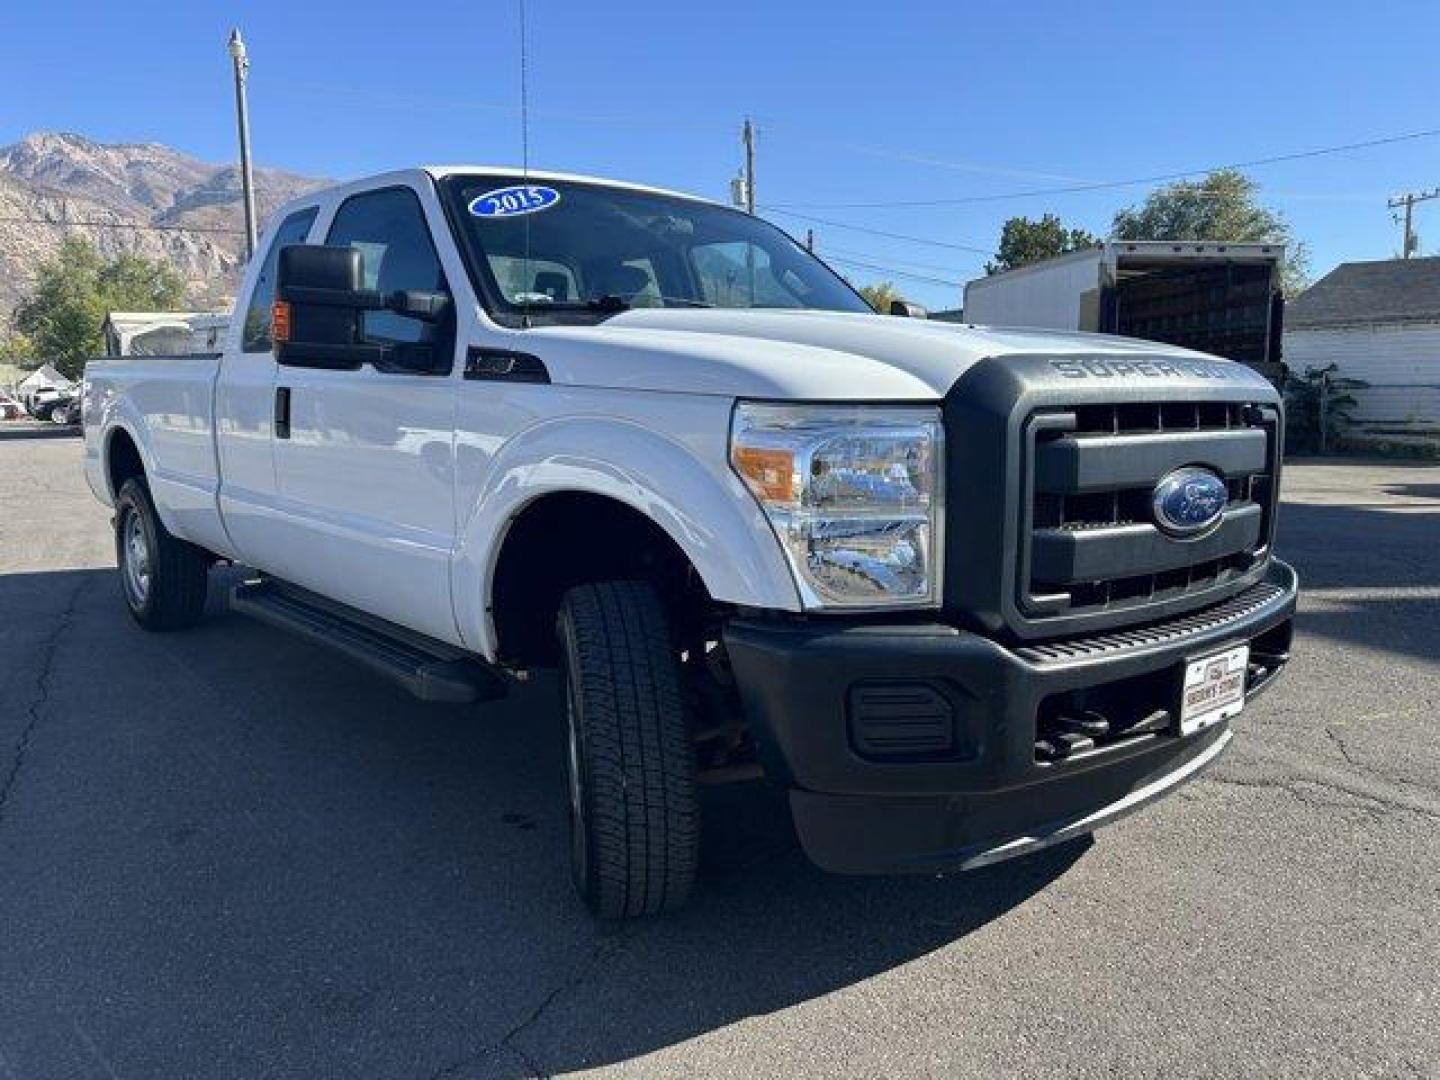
(45, 377)
(1380, 322)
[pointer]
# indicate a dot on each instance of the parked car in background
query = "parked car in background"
(67, 412)
(40, 403)
(963, 593)
(41, 386)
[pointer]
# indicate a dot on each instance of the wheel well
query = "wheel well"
(571, 538)
(122, 461)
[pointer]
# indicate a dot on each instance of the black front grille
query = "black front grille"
(1052, 465)
(1089, 541)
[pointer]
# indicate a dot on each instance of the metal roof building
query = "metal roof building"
(1380, 322)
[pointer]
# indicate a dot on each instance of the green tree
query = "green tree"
(1024, 240)
(17, 350)
(879, 296)
(1223, 206)
(133, 283)
(74, 290)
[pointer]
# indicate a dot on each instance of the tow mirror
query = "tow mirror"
(905, 310)
(319, 317)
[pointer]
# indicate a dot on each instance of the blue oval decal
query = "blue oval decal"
(514, 201)
(1189, 500)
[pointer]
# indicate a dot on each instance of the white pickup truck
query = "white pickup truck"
(963, 592)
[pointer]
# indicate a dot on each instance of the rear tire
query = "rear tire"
(163, 578)
(634, 816)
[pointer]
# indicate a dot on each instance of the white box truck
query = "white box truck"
(1223, 299)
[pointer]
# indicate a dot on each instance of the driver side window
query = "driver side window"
(388, 228)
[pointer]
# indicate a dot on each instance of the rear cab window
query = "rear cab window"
(293, 230)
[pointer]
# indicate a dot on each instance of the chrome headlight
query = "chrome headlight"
(854, 494)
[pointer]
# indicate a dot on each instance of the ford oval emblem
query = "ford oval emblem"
(1189, 500)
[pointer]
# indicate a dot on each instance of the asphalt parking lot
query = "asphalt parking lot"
(227, 853)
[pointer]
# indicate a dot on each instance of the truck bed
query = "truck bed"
(165, 404)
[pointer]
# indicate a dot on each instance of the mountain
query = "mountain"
(54, 185)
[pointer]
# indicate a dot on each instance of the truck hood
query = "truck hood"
(795, 355)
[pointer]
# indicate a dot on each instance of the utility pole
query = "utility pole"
(747, 133)
(242, 118)
(1408, 201)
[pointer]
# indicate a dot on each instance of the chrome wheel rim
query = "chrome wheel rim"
(136, 558)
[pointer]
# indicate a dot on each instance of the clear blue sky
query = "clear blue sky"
(855, 103)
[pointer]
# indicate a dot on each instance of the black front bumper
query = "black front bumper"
(987, 797)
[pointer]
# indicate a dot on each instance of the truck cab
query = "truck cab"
(963, 592)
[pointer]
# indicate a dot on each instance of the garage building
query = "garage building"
(1380, 322)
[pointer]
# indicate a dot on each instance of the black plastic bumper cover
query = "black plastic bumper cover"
(990, 799)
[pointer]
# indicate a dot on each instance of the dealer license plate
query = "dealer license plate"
(1214, 689)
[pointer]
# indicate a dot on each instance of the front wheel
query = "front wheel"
(630, 769)
(163, 577)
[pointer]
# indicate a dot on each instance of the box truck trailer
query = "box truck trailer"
(1223, 299)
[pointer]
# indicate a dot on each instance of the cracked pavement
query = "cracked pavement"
(226, 853)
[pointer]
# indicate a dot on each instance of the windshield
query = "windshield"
(553, 247)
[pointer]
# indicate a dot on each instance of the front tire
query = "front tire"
(163, 578)
(634, 816)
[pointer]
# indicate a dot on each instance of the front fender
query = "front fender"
(701, 505)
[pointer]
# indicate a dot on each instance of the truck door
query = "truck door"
(244, 404)
(364, 458)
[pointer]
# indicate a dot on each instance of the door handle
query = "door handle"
(282, 412)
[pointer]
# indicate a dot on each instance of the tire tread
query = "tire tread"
(641, 800)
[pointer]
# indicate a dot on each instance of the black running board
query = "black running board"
(429, 669)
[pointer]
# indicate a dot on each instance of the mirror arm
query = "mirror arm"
(427, 306)
(905, 310)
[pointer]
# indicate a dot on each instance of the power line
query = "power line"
(1104, 185)
(913, 158)
(130, 225)
(877, 268)
(987, 252)
(907, 264)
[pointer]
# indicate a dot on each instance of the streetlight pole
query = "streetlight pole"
(747, 135)
(242, 117)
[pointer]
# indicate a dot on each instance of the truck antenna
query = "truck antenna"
(525, 156)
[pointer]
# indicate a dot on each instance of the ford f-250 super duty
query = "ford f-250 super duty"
(964, 592)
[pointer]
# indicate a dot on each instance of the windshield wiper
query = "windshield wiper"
(611, 303)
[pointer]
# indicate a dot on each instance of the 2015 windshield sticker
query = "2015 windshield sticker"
(514, 201)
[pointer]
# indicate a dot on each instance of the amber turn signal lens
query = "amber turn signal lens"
(280, 321)
(770, 472)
